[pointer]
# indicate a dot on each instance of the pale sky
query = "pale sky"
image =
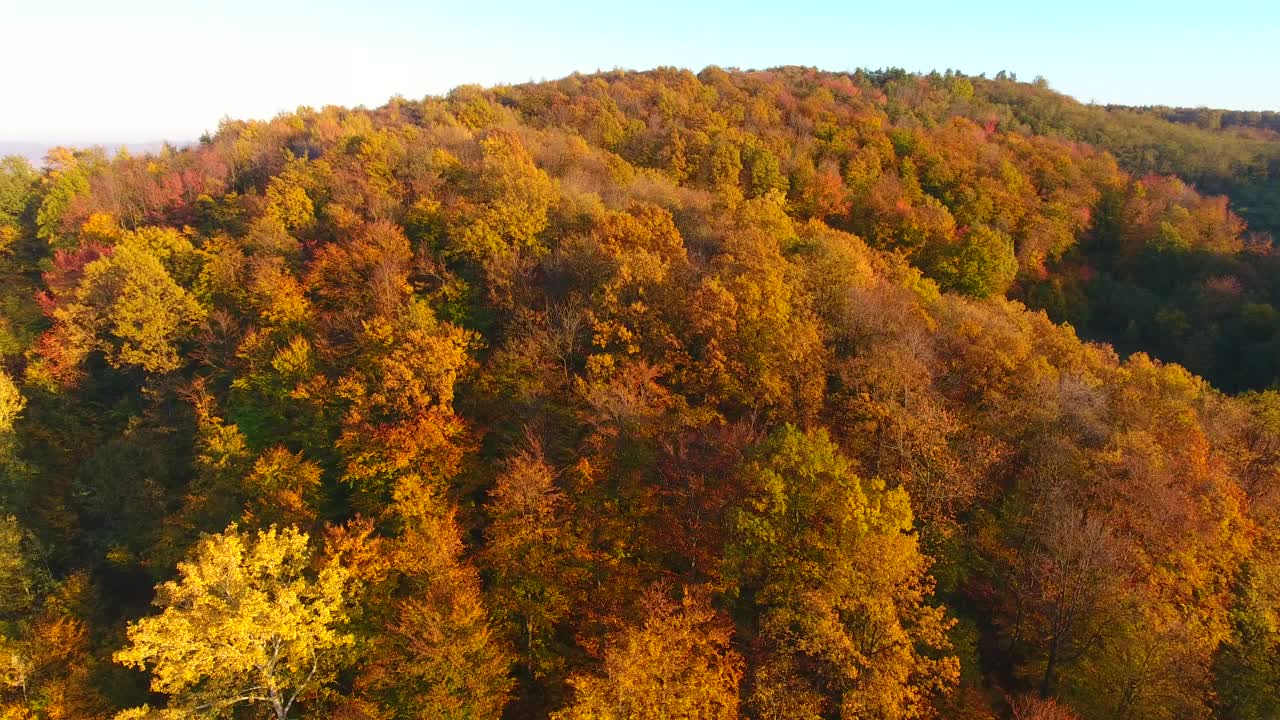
(142, 70)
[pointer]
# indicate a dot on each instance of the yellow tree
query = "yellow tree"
(496, 227)
(11, 402)
(126, 305)
(825, 562)
(247, 621)
(47, 667)
(677, 666)
(399, 393)
(425, 642)
(535, 560)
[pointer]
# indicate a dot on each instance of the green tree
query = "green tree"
(17, 186)
(18, 578)
(1248, 666)
(981, 263)
(67, 179)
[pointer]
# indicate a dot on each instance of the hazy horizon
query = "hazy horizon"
(159, 72)
(26, 146)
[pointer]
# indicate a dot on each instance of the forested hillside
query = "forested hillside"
(648, 395)
(1209, 306)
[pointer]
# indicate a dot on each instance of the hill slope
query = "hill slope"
(637, 395)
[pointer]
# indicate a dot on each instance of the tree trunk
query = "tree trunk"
(1046, 682)
(277, 703)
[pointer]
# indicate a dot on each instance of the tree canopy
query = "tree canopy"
(731, 394)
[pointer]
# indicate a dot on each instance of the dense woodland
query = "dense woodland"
(779, 394)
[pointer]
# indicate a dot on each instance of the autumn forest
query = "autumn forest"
(770, 395)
